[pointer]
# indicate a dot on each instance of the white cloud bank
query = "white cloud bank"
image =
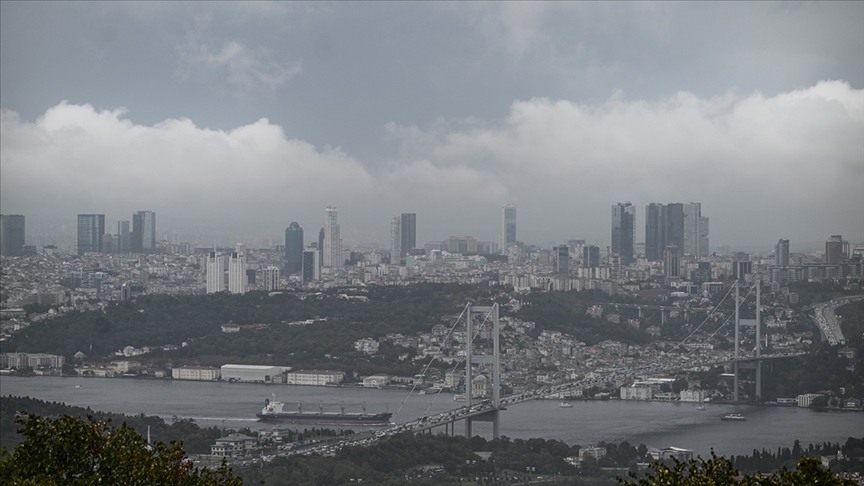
(791, 165)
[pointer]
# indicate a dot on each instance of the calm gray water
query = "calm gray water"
(656, 424)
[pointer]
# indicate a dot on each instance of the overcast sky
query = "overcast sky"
(231, 120)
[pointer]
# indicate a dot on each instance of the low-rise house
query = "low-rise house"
(233, 445)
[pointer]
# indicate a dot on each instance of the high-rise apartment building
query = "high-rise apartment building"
(91, 227)
(143, 232)
(237, 279)
(124, 237)
(624, 231)
(311, 264)
(834, 249)
(11, 234)
(561, 259)
(508, 227)
(332, 239)
(293, 248)
(215, 273)
(781, 253)
(270, 278)
(396, 240)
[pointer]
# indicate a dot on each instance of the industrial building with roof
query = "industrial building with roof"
(253, 373)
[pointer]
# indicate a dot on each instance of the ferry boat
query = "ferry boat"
(272, 412)
(735, 417)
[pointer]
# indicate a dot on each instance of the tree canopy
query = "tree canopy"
(76, 451)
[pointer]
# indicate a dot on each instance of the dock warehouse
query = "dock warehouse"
(252, 373)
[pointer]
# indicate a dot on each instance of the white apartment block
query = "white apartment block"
(636, 393)
(237, 280)
(314, 377)
(199, 373)
(215, 273)
(31, 360)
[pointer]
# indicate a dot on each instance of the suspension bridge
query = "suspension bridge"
(490, 409)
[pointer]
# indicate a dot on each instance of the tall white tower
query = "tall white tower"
(695, 231)
(215, 273)
(332, 239)
(395, 239)
(237, 280)
(508, 227)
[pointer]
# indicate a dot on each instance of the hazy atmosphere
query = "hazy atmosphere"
(232, 120)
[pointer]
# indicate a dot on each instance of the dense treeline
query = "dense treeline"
(196, 440)
(566, 312)
(87, 451)
(765, 460)
(812, 293)
(427, 459)
(156, 320)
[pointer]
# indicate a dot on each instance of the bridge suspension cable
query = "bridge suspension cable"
(435, 355)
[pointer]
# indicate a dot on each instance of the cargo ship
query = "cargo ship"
(272, 412)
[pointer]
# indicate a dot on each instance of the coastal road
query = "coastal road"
(823, 316)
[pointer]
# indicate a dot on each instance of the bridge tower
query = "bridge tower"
(494, 359)
(752, 322)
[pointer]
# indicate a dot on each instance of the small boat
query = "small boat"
(700, 408)
(78, 386)
(735, 417)
(565, 405)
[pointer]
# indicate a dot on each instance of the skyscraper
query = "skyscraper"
(695, 231)
(561, 262)
(237, 280)
(332, 239)
(91, 227)
(124, 237)
(293, 248)
(311, 264)
(834, 249)
(655, 231)
(408, 231)
(590, 256)
(321, 247)
(624, 231)
(215, 273)
(143, 232)
(781, 253)
(396, 240)
(508, 227)
(674, 230)
(672, 263)
(11, 234)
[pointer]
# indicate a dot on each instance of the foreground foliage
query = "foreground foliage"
(720, 471)
(196, 439)
(71, 450)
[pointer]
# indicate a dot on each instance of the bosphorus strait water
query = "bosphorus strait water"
(656, 424)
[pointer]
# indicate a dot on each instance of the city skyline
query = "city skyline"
(664, 225)
(285, 105)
